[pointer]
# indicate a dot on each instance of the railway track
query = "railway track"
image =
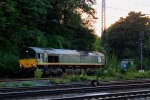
(110, 96)
(73, 85)
(30, 91)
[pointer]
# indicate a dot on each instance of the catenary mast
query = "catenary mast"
(103, 19)
(103, 27)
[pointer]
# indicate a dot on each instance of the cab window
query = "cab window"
(28, 54)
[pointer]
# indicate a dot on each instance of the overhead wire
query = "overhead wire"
(146, 1)
(116, 8)
(142, 3)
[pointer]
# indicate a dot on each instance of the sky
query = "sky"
(119, 8)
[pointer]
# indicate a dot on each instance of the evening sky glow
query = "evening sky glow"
(119, 8)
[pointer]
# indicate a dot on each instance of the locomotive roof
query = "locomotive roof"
(63, 51)
(54, 51)
(37, 49)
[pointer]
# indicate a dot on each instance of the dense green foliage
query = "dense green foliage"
(123, 37)
(38, 73)
(45, 23)
(8, 64)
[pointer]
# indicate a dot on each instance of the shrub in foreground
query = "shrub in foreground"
(9, 64)
(38, 73)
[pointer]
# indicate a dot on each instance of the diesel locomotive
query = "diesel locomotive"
(52, 60)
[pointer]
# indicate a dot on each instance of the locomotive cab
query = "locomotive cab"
(28, 58)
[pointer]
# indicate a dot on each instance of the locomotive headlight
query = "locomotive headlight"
(33, 65)
(21, 66)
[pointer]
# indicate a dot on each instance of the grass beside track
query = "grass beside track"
(75, 78)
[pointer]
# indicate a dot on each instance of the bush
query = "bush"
(71, 78)
(136, 75)
(112, 62)
(100, 72)
(9, 64)
(112, 65)
(38, 73)
(74, 78)
(146, 64)
(111, 72)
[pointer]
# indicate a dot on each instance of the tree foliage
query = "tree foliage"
(123, 36)
(44, 23)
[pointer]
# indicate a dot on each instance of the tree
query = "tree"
(123, 36)
(64, 23)
(43, 23)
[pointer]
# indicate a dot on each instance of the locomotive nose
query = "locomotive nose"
(27, 63)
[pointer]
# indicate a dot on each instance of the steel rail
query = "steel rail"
(71, 85)
(61, 86)
(47, 91)
(109, 96)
